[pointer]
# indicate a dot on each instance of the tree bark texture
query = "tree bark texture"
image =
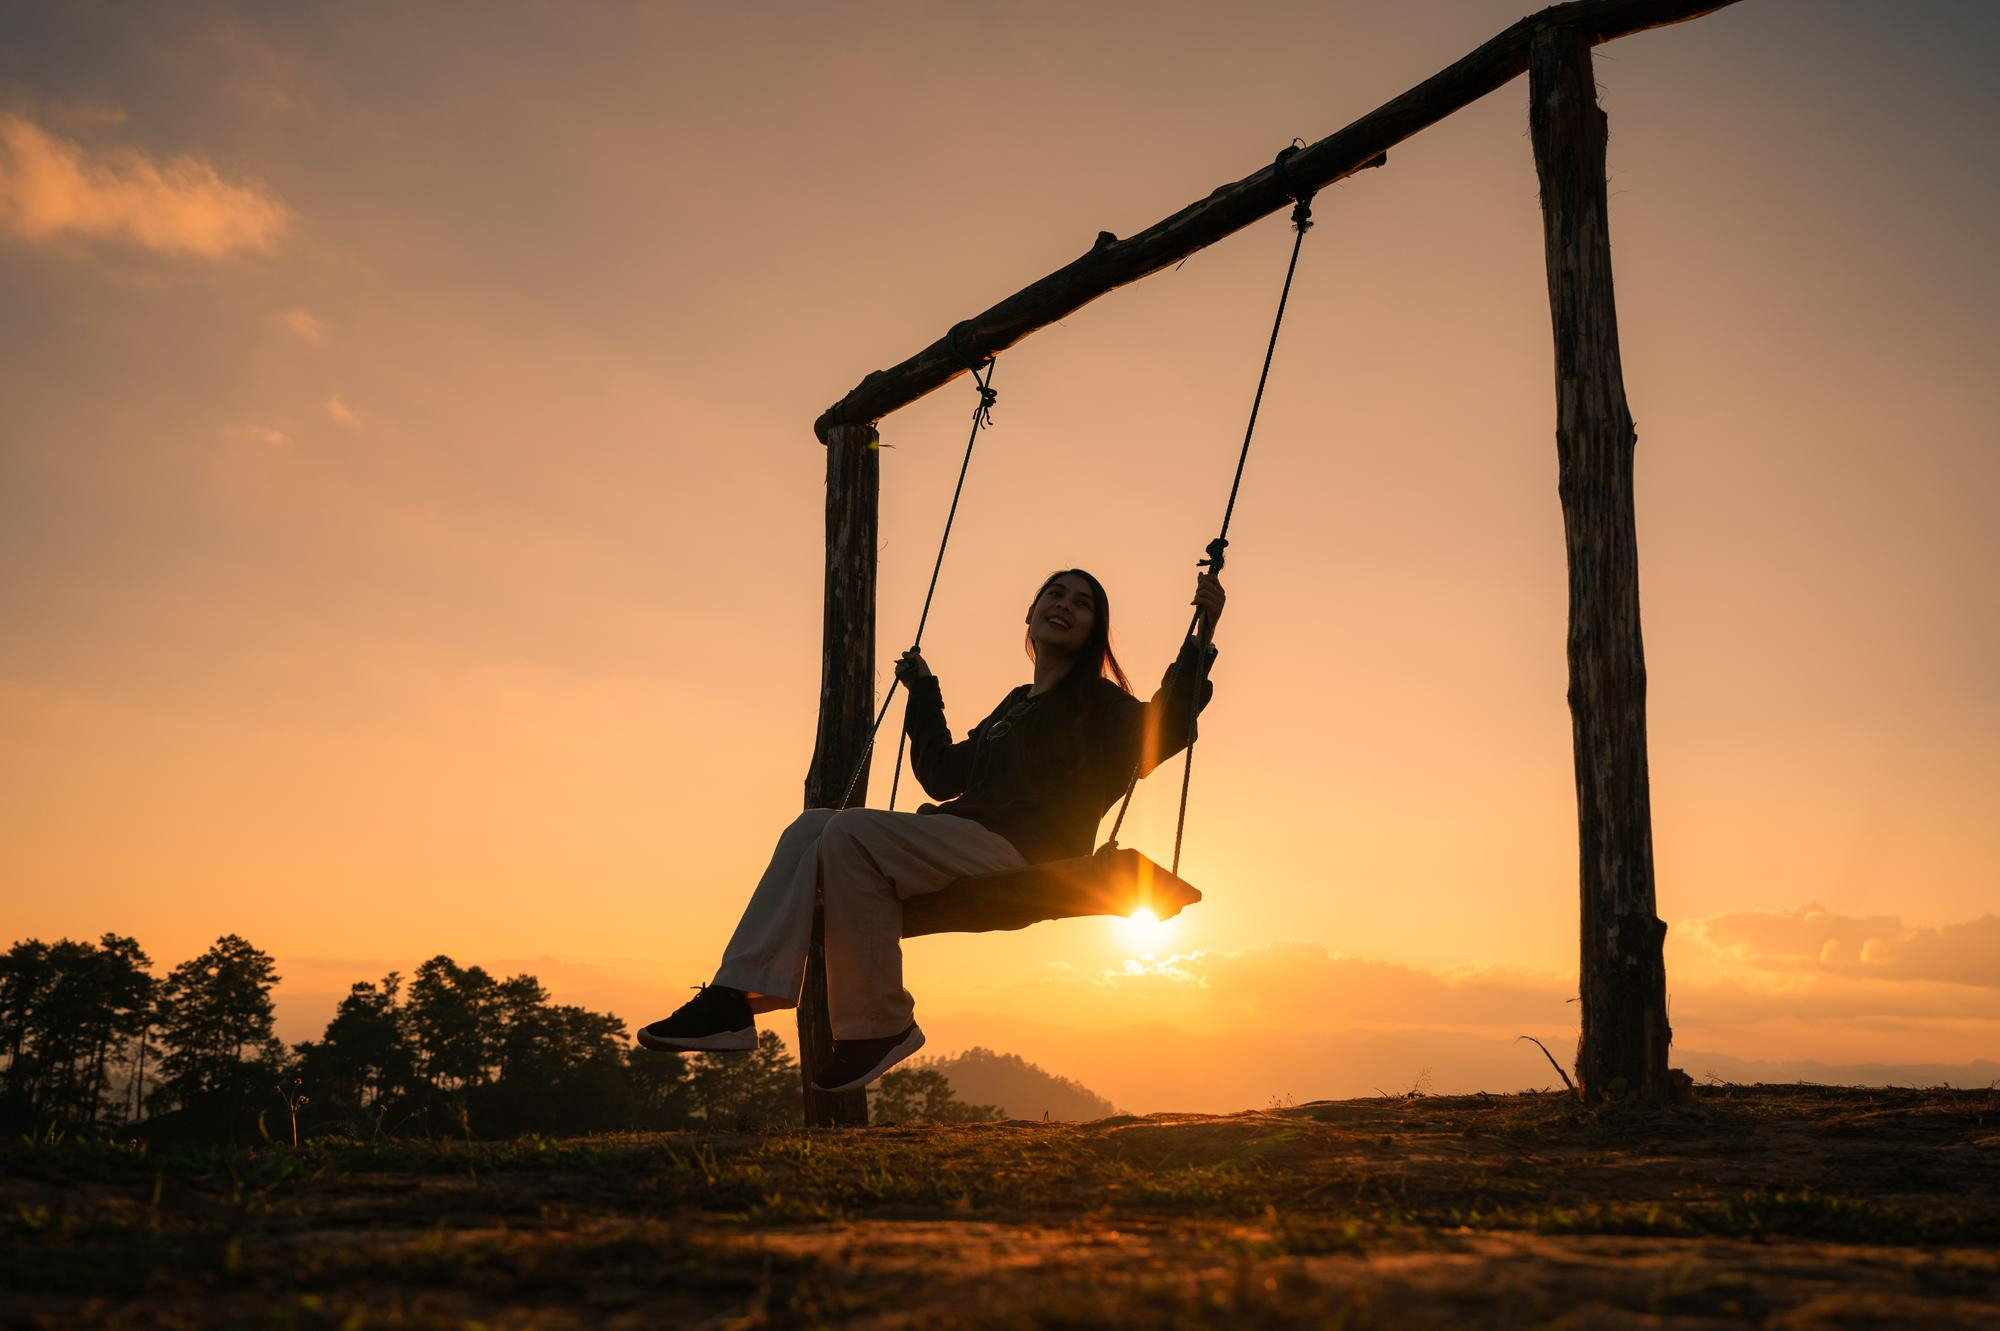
(1623, 1048)
(1112, 263)
(846, 711)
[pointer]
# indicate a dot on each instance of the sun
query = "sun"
(1145, 932)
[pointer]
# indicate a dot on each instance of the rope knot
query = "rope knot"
(982, 379)
(1302, 212)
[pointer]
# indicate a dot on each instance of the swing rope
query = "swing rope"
(1301, 223)
(982, 417)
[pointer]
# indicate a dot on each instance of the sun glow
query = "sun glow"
(1144, 931)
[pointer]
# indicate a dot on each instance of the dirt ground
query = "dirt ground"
(1778, 1207)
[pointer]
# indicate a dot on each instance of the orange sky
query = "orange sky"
(410, 517)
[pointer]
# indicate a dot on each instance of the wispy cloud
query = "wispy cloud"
(1176, 967)
(304, 324)
(1745, 967)
(1306, 978)
(52, 187)
(337, 408)
(258, 434)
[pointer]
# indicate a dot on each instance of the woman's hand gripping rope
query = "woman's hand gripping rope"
(1208, 602)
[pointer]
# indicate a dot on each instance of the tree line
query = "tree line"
(94, 1043)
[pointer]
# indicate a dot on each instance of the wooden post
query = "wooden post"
(1623, 1048)
(846, 711)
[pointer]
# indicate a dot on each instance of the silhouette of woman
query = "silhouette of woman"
(1030, 783)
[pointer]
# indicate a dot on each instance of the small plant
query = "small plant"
(295, 1099)
(1552, 1060)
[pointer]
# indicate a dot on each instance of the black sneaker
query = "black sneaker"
(855, 1063)
(716, 1020)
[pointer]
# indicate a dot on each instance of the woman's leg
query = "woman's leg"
(766, 957)
(870, 860)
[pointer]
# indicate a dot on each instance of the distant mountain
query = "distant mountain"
(1703, 1068)
(1021, 1090)
(1157, 1067)
(1254, 1069)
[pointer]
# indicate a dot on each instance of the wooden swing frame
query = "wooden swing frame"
(1622, 1051)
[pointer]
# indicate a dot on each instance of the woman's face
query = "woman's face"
(1063, 615)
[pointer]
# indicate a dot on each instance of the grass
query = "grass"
(1404, 1211)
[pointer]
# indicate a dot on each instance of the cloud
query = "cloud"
(303, 324)
(258, 434)
(1935, 980)
(341, 412)
(51, 187)
(1812, 939)
(1314, 987)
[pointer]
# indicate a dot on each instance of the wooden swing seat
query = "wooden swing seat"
(1115, 881)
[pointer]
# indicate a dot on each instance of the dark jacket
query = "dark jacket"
(1042, 771)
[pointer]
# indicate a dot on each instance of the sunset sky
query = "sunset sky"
(410, 518)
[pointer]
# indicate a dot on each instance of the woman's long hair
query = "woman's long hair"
(1095, 658)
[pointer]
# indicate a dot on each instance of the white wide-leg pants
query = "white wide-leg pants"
(865, 862)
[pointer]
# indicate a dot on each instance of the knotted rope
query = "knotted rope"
(982, 417)
(1301, 223)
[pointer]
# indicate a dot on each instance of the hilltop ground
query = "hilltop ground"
(1792, 1207)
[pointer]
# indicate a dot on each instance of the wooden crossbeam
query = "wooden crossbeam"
(1112, 263)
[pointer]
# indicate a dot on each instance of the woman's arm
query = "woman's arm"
(942, 767)
(1151, 732)
(1144, 735)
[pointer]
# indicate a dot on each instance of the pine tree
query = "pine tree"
(26, 976)
(561, 1067)
(745, 1092)
(924, 1095)
(122, 988)
(361, 1074)
(659, 1089)
(70, 1014)
(214, 1024)
(454, 1024)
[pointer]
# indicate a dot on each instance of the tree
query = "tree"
(453, 1029)
(61, 1031)
(25, 978)
(70, 1014)
(659, 1089)
(113, 1017)
(924, 1095)
(467, 1054)
(561, 1068)
(214, 1018)
(362, 1070)
(746, 1092)
(522, 1028)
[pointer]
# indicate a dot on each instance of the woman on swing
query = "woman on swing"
(1030, 783)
